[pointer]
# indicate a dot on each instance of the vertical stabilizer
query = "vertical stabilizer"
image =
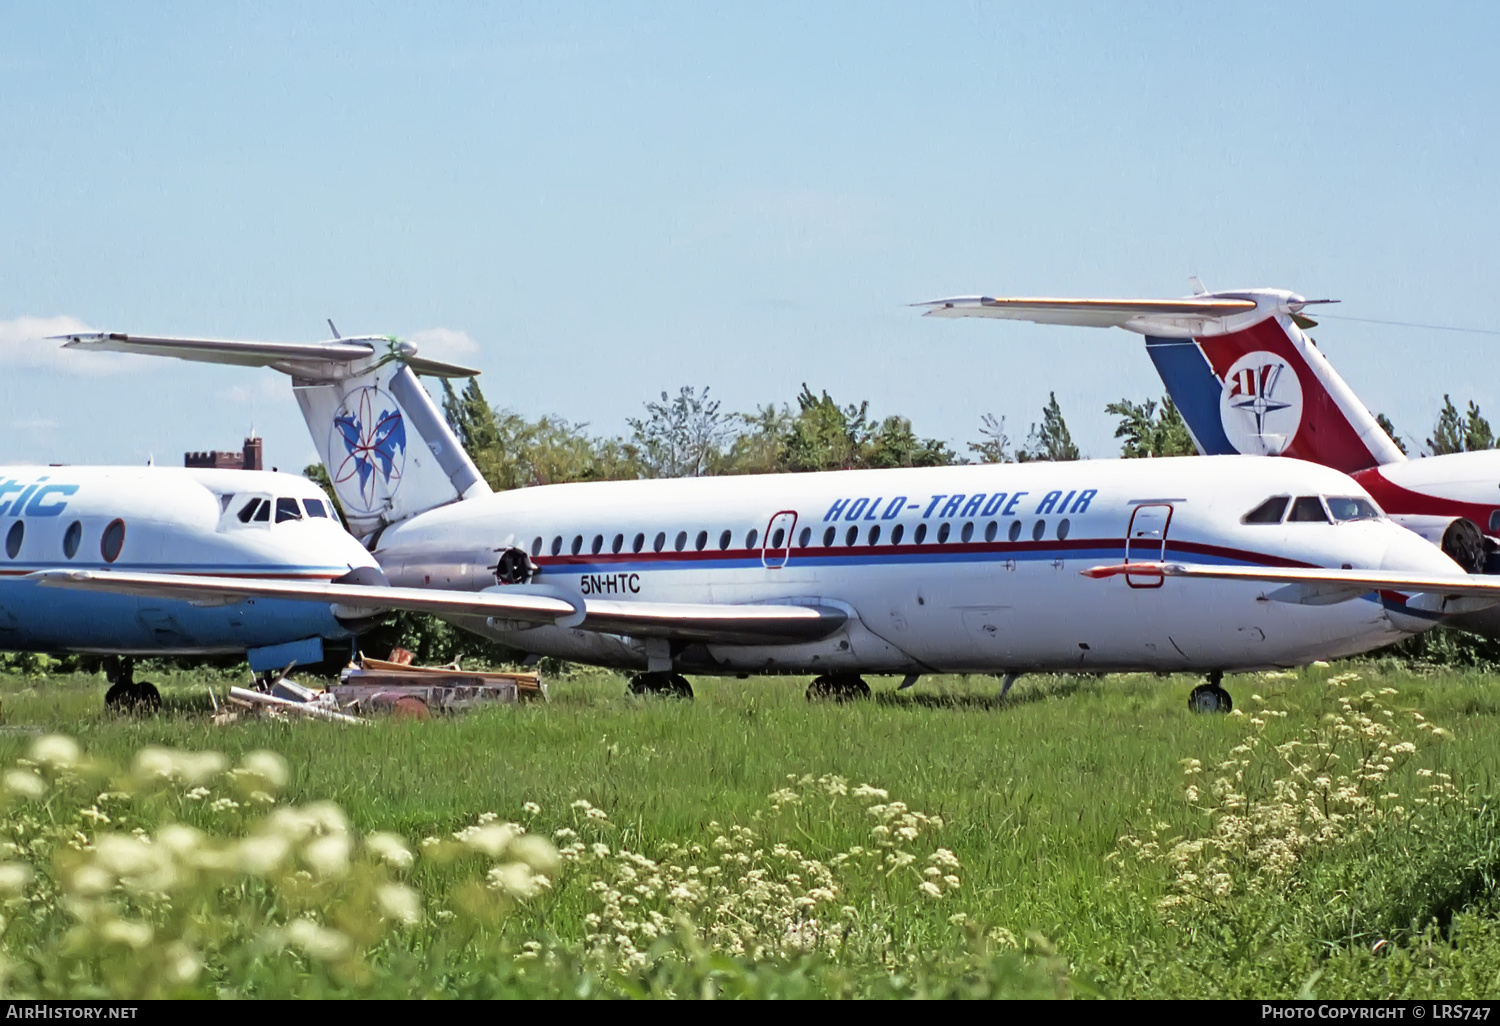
(388, 450)
(1266, 390)
(1236, 364)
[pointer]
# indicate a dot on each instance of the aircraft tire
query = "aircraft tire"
(1210, 698)
(128, 697)
(837, 688)
(660, 685)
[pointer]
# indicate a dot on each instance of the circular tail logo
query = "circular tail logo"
(1261, 405)
(367, 449)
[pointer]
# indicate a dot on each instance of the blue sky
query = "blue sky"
(594, 203)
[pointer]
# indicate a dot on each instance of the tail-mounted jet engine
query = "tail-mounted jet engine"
(513, 567)
(1459, 537)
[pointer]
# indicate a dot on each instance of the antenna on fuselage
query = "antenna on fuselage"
(333, 329)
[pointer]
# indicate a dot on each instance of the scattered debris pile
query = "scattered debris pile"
(395, 685)
(391, 685)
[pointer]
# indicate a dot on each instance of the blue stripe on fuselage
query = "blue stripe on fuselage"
(1195, 389)
(33, 618)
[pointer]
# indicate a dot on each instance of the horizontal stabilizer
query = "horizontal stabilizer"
(335, 354)
(1318, 586)
(725, 624)
(1086, 313)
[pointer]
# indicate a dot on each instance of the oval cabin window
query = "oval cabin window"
(13, 539)
(112, 541)
(71, 539)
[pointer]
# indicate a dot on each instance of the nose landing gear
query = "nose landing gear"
(1210, 697)
(124, 694)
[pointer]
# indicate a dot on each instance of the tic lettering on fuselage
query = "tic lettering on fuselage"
(980, 504)
(610, 584)
(38, 498)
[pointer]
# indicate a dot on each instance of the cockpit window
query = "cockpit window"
(287, 509)
(316, 508)
(263, 512)
(1308, 509)
(1268, 512)
(248, 511)
(1348, 507)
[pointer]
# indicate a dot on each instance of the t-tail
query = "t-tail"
(1239, 366)
(388, 450)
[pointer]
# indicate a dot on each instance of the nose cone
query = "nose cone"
(1407, 551)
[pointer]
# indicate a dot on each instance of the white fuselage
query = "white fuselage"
(956, 569)
(164, 520)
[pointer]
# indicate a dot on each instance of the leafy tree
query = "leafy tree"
(826, 436)
(1455, 432)
(1390, 429)
(470, 416)
(1149, 431)
(759, 442)
(550, 450)
(1051, 439)
(994, 444)
(682, 437)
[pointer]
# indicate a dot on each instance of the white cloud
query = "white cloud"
(24, 344)
(444, 343)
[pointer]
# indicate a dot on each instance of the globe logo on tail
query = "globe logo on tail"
(1261, 405)
(367, 450)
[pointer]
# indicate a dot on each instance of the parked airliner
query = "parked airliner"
(162, 520)
(1002, 569)
(1247, 379)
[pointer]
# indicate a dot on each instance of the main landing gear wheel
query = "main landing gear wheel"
(133, 698)
(838, 687)
(661, 685)
(1210, 697)
(124, 694)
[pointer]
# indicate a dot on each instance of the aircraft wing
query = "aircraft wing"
(710, 623)
(1320, 586)
(1084, 313)
(262, 354)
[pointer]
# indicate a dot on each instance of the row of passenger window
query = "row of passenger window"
(111, 540)
(778, 539)
(258, 511)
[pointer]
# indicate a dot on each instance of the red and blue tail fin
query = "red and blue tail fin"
(1244, 376)
(1266, 390)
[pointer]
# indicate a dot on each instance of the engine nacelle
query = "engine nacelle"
(1459, 537)
(513, 566)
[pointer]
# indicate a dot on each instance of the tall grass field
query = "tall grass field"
(1334, 837)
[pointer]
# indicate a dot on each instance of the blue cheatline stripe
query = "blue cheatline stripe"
(1195, 388)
